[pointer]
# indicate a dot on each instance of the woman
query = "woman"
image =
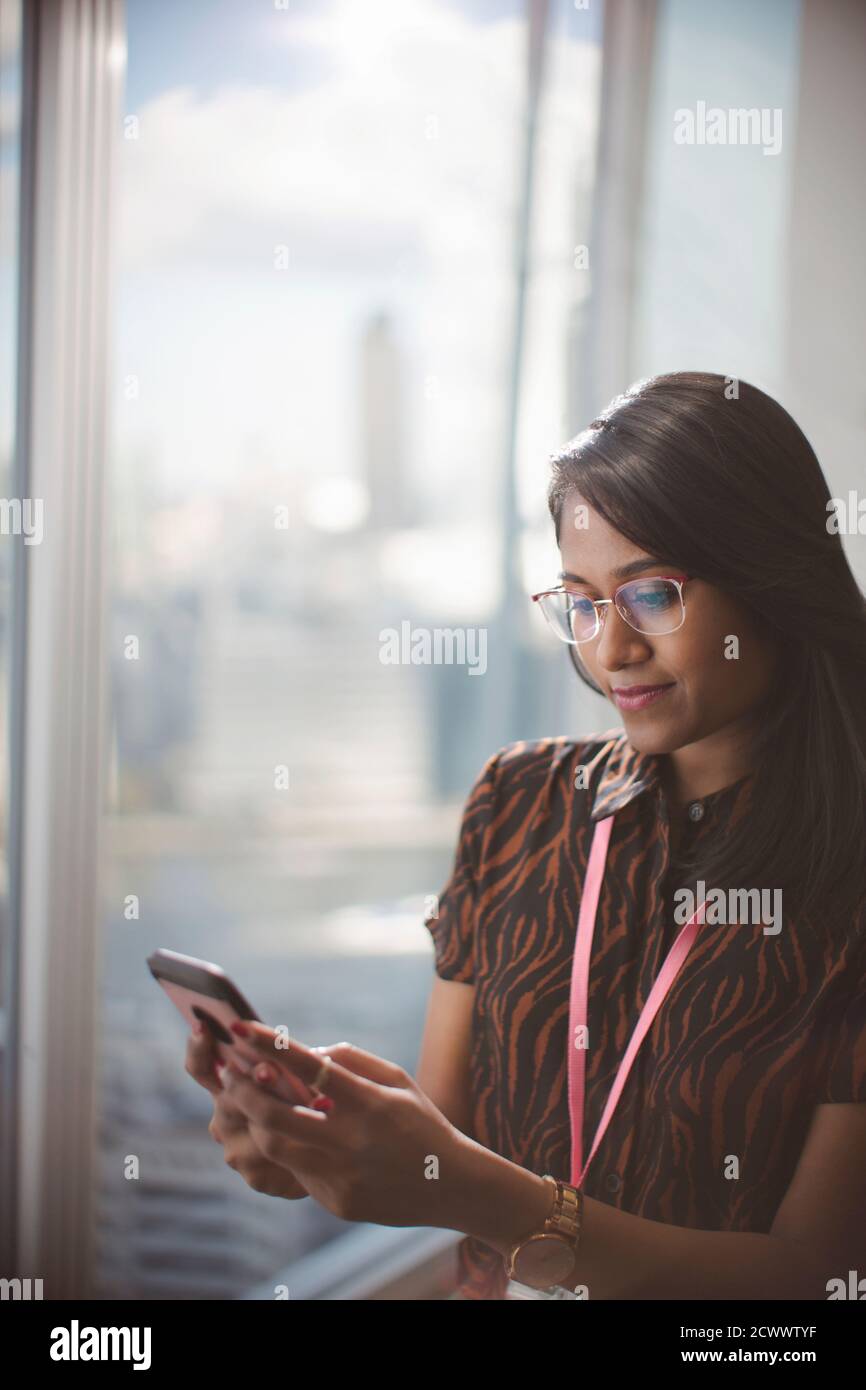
(704, 590)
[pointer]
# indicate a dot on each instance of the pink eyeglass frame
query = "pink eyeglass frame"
(601, 604)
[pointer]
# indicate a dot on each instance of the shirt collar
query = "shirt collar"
(625, 774)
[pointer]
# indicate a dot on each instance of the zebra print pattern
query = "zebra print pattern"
(756, 1030)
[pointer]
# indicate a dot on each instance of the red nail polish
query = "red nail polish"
(240, 1029)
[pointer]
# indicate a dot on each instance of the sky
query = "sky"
(207, 36)
(376, 149)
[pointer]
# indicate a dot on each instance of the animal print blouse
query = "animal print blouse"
(758, 1028)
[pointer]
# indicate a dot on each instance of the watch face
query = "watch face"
(543, 1261)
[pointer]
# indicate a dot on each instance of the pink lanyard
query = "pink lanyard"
(580, 995)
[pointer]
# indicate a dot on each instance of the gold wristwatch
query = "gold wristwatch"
(549, 1257)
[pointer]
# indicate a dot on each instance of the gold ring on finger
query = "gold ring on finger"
(318, 1082)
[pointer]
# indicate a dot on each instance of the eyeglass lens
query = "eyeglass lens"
(652, 606)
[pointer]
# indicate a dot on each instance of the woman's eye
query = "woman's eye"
(654, 596)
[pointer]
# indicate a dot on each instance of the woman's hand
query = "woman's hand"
(229, 1125)
(383, 1153)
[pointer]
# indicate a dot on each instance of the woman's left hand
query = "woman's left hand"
(382, 1152)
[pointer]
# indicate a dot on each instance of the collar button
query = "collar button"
(696, 811)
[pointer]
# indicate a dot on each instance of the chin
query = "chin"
(645, 737)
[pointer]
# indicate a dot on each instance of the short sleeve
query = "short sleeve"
(843, 1076)
(452, 923)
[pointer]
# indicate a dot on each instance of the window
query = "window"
(314, 328)
(14, 513)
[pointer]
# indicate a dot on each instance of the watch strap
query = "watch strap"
(564, 1220)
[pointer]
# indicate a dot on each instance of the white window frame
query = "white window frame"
(73, 63)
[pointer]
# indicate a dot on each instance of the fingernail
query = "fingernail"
(240, 1029)
(263, 1073)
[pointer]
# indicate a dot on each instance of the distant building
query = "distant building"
(383, 427)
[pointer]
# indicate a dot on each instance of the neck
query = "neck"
(707, 766)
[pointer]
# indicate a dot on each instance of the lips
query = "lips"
(630, 697)
(640, 690)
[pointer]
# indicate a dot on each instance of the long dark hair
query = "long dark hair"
(716, 476)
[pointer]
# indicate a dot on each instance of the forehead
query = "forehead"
(588, 544)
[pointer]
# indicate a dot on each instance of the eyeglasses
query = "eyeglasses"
(653, 606)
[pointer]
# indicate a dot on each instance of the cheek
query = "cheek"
(706, 652)
(586, 658)
(724, 660)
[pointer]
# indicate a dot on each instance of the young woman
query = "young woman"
(720, 1152)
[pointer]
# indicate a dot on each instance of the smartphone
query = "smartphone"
(199, 989)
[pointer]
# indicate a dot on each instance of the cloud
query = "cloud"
(414, 126)
(408, 149)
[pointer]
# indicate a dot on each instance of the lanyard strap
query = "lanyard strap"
(580, 996)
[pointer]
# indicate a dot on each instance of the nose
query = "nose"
(618, 644)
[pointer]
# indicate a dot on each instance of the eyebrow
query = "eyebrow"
(624, 571)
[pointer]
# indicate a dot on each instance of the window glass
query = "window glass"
(314, 326)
